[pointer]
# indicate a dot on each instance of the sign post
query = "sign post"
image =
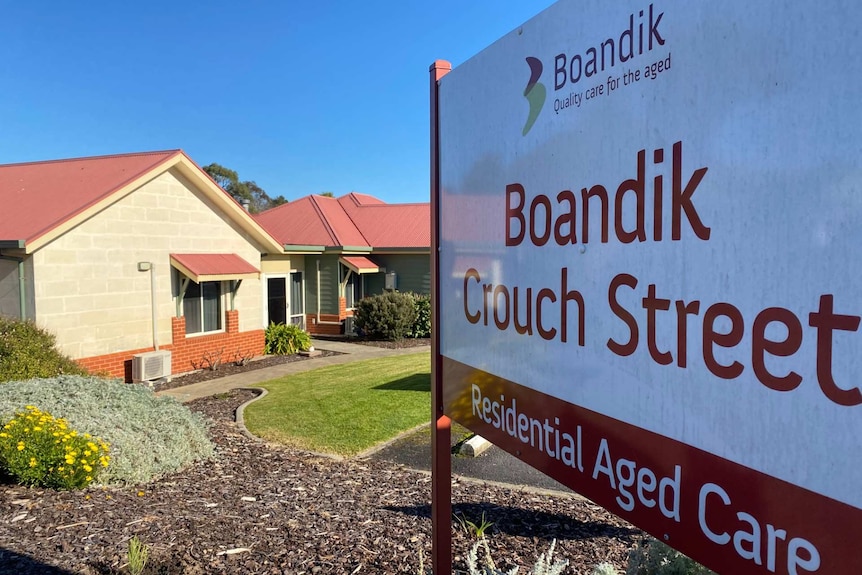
(441, 462)
(650, 224)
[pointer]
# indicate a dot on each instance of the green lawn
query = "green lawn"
(345, 409)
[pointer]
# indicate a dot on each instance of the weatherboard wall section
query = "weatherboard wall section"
(10, 302)
(323, 269)
(413, 273)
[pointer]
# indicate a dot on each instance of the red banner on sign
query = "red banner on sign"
(729, 517)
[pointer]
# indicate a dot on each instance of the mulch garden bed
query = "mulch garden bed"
(257, 508)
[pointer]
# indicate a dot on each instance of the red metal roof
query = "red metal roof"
(394, 225)
(299, 222)
(36, 197)
(360, 264)
(351, 220)
(210, 267)
(343, 229)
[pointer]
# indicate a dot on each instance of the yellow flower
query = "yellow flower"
(89, 478)
(37, 428)
(20, 446)
(88, 453)
(32, 462)
(4, 434)
(88, 469)
(140, 494)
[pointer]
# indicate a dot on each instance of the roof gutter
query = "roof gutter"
(349, 249)
(293, 248)
(396, 250)
(12, 244)
(22, 300)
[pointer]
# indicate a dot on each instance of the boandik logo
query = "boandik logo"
(535, 93)
(639, 36)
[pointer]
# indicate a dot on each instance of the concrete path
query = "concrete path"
(350, 352)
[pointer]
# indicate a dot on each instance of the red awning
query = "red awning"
(360, 264)
(214, 267)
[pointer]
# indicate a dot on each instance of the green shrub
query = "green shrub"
(38, 449)
(652, 557)
(388, 316)
(149, 435)
(286, 339)
(27, 351)
(422, 323)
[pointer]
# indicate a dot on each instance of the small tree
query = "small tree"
(388, 316)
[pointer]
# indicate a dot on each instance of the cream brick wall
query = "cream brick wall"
(88, 289)
(282, 264)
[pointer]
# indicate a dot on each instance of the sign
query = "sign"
(650, 235)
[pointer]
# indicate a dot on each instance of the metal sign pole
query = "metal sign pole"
(441, 462)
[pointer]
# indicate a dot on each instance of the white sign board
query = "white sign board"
(651, 224)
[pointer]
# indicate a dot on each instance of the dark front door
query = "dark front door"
(276, 298)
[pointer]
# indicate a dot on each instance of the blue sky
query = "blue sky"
(302, 97)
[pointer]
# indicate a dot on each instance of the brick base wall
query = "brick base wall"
(315, 328)
(185, 350)
(189, 352)
(114, 364)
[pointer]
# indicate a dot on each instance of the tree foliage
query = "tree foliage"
(247, 190)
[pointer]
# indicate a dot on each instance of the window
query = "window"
(297, 312)
(202, 307)
(354, 287)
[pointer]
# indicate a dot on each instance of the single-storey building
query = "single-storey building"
(142, 266)
(352, 247)
(122, 255)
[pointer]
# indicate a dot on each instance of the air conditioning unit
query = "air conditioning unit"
(151, 365)
(390, 281)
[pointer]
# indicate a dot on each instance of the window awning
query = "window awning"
(214, 267)
(360, 264)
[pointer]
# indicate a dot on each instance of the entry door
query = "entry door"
(297, 301)
(276, 299)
